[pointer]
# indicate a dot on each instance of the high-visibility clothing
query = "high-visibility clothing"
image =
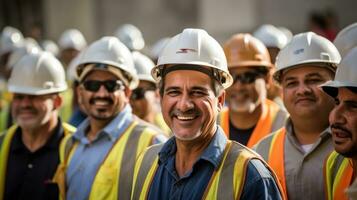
(4, 115)
(226, 183)
(160, 123)
(5, 142)
(66, 108)
(271, 119)
(114, 176)
(338, 176)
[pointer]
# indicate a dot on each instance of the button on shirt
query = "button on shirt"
(167, 184)
(29, 173)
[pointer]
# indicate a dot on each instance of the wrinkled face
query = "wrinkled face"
(98, 102)
(343, 121)
(302, 95)
(247, 91)
(31, 112)
(144, 99)
(189, 105)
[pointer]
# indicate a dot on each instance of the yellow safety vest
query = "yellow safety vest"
(114, 177)
(271, 119)
(66, 109)
(160, 123)
(4, 114)
(5, 141)
(338, 176)
(226, 183)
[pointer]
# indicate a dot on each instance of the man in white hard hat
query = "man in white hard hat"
(274, 39)
(71, 42)
(145, 98)
(29, 150)
(199, 162)
(249, 116)
(98, 160)
(341, 165)
(297, 151)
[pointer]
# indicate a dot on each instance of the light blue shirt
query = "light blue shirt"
(88, 156)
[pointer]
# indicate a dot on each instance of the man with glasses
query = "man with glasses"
(29, 149)
(145, 99)
(250, 115)
(297, 151)
(98, 161)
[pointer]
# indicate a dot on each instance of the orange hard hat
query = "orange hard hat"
(244, 50)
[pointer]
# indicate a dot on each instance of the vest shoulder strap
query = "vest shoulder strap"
(147, 163)
(128, 162)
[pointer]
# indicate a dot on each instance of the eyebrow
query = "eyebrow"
(193, 88)
(313, 75)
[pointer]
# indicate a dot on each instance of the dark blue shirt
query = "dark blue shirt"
(259, 184)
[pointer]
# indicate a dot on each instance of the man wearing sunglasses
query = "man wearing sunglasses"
(29, 149)
(98, 161)
(145, 98)
(250, 115)
(297, 151)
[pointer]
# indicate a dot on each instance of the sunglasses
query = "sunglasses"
(247, 77)
(139, 93)
(110, 85)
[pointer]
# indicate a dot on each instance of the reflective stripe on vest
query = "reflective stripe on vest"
(5, 142)
(338, 176)
(226, 183)
(276, 156)
(114, 176)
(267, 122)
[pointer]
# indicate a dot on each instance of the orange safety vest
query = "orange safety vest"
(338, 176)
(276, 157)
(262, 128)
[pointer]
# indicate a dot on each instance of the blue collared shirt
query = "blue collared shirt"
(259, 183)
(89, 155)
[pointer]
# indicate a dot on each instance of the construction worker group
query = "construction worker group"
(264, 115)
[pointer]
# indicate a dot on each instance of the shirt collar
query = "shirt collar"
(213, 153)
(122, 119)
(52, 143)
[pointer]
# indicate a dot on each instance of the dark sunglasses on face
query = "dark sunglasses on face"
(110, 85)
(139, 93)
(247, 77)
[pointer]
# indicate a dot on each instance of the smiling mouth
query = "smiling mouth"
(185, 118)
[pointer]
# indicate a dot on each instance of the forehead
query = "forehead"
(146, 84)
(346, 94)
(306, 71)
(187, 78)
(100, 75)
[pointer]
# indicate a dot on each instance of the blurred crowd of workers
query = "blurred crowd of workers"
(266, 115)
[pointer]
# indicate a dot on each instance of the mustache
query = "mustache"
(26, 109)
(339, 127)
(109, 100)
(176, 112)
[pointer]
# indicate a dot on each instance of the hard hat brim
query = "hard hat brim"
(331, 87)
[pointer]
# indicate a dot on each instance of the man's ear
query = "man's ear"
(57, 101)
(268, 79)
(79, 94)
(221, 100)
(127, 92)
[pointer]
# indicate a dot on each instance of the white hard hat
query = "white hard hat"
(271, 36)
(19, 52)
(131, 36)
(109, 51)
(346, 74)
(194, 47)
(10, 39)
(50, 46)
(72, 39)
(37, 74)
(157, 48)
(288, 34)
(143, 66)
(346, 39)
(307, 48)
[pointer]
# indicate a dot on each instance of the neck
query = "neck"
(34, 139)
(307, 131)
(245, 120)
(95, 127)
(188, 152)
(150, 118)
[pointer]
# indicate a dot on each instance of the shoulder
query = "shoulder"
(150, 130)
(263, 146)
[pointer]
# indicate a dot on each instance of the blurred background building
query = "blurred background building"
(47, 19)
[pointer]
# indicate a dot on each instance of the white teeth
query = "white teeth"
(101, 103)
(185, 117)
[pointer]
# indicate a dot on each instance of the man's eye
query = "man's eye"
(291, 84)
(173, 93)
(312, 81)
(198, 93)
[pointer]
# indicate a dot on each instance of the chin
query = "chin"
(186, 137)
